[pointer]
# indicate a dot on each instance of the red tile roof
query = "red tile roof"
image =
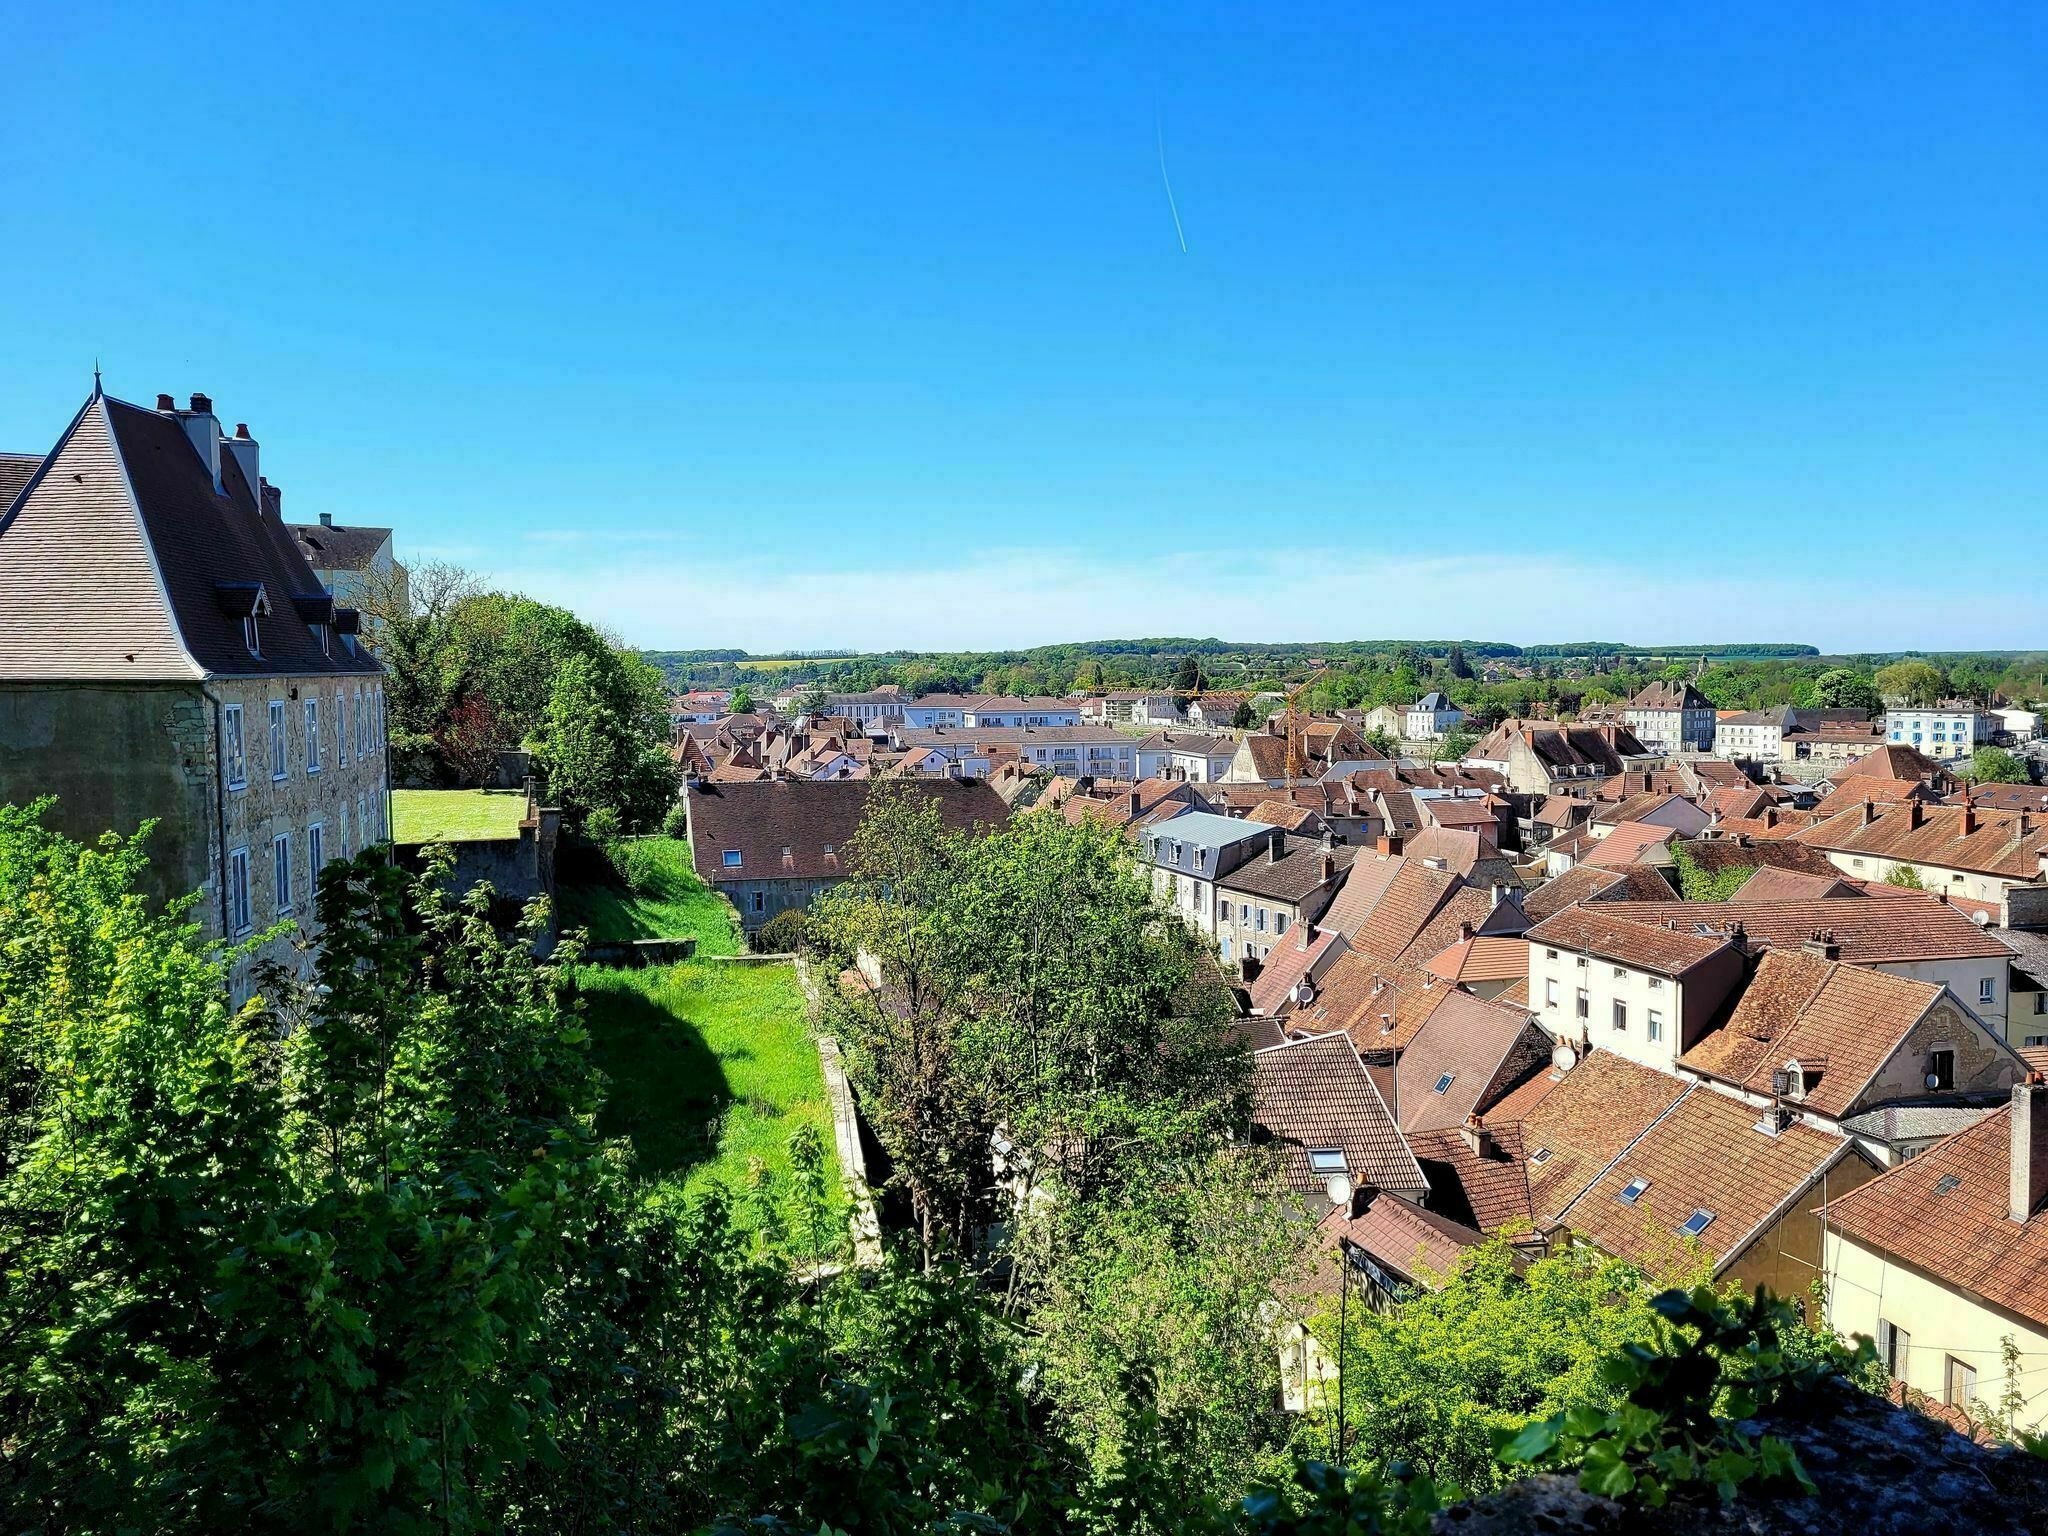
(1464, 1057)
(1583, 1123)
(1871, 930)
(2008, 844)
(1633, 934)
(1947, 1213)
(1314, 1093)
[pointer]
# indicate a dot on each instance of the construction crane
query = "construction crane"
(1295, 732)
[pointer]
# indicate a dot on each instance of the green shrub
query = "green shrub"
(676, 823)
(781, 934)
(601, 825)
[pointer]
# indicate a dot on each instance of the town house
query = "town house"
(1670, 718)
(167, 654)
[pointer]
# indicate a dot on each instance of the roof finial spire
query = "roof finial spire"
(96, 390)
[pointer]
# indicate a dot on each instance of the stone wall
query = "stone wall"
(115, 756)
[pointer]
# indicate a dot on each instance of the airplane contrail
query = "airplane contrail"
(1170, 205)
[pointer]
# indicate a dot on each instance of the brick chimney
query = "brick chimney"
(1869, 813)
(1821, 944)
(1477, 1136)
(1389, 843)
(1329, 868)
(1969, 819)
(1304, 936)
(1276, 843)
(1131, 800)
(2029, 1175)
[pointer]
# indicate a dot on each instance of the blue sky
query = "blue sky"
(840, 326)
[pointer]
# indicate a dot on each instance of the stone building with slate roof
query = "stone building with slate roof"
(167, 654)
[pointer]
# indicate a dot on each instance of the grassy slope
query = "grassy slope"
(712, 1066)
(666, 901)
(455, 815)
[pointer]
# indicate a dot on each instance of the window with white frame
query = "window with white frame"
(281, 871)
(234, 760)
(341, 728)
(1654, 1025)
(277, 757)
(1987, 989)
(312, 735)
(360, 737)
(362, 823)
(1550, 992)
(342, 844)
(239, 920)
(252, 634)
(316, 850)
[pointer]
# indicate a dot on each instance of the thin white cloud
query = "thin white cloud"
(1014, 598)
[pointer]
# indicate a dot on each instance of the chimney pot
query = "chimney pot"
(326, 519)
(241, 429)
(202, 404)
(1969, 819)
(166, 403)
(2029, 1172)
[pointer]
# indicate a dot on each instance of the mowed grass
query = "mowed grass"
(712, 1068)
(659, 897)
(455, 815)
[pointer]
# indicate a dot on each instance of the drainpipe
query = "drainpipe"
(220, 796)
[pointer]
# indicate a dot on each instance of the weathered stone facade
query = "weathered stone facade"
(116, 756)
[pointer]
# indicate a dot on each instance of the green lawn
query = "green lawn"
(660, 897)
(712, 1067)
(455, 815)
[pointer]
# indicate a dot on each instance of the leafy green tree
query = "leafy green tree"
(1905, 875)
(1382, 741)
(812, 700)
(1033, 985)
(1245, 717)
(1844, 688)
(742, 700)
(1430, 1382)
(595, 747)
(1916, 682)
(1452, 746)
(1995, 765)
(1187, 677)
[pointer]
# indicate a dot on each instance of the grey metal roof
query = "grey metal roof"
(1205, 829)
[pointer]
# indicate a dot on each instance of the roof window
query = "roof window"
(1946, 1184)
(1634, 1191)
(1540, 1155)
(1327, 1160)
(731, 858)
(1696, 1223)
(1443, 1084)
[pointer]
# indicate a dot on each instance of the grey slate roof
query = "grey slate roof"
(121, 561)
(331, 547)
(1911, 1122)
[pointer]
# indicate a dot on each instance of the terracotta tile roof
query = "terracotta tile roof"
(1314, 1093)
(1515, 992)
(1714, 854)
(1379, 1004)
(1871, 930)
(1632, 782)
(1705, 1154)
(1843, 1021)
(2006, 797)
(1402, 1238)
(1633, 842)
(2008, 844)
(1633, 934)
(1468, 1054)
(1488, 1191)
(1893, 760)
(1562, 811)
(1774, 825)
(1514, 1106)
(1579, 883)
(1792, 885)
(1482, 959)
(1371, 874)
(1742, 802)
(1414, 896)
(1635, 807)
(1277, 813)
(1584, 1121)
(1291, 960)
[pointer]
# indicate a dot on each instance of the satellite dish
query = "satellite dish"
(1304, 992)
(1933, 1081)
(1338, 1187)
(1564, 1058)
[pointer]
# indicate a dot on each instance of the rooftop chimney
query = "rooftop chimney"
(1821, 943)
(1305, 935)
(1132, 801)
(1913, 814)
(1969, 819)
(1329, 867)
(1477, 1136)
(243, 447)
(1388, 843)
(1869, 813)
(1276, 840)
(166, 404)
(1465, 929)
(203, 428)
(2029, 1179)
